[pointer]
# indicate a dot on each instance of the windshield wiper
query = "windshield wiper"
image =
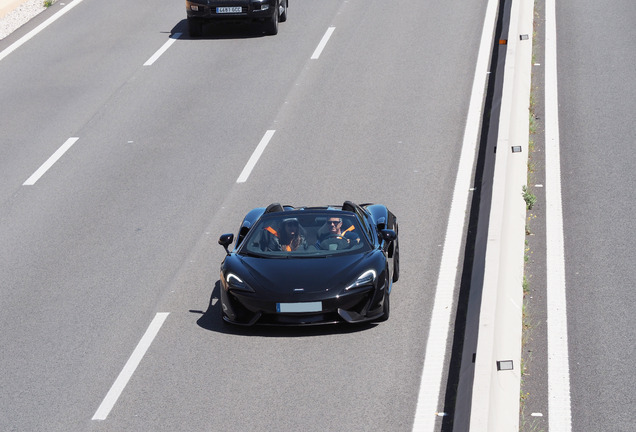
(253, 254)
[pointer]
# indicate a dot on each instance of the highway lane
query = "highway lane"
(118, 247)
(125, 225)
(291, 380)
(597, 99)
(115, 173)
(77, 64)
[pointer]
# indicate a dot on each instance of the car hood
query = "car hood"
(302, 275)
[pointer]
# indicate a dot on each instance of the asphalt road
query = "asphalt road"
(125, 224)
(597, 99)
(597, 104)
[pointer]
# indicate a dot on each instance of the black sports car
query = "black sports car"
(310, 265)
(269, 12)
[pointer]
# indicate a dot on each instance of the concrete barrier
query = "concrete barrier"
(496, 385)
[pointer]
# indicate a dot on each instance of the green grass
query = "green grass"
(528, 197)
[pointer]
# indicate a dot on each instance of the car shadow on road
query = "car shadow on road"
(222, 30)
(211, 320)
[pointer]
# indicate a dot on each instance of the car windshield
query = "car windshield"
(304, 233)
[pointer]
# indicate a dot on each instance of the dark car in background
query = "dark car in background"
(310, 265)
(267, 12)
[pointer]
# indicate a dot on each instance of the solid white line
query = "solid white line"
(132, 363)
(255, 156)
(559, 405)
(428, 397)
(163, 49)
(50, 161)
(323, 43)
(17, 44)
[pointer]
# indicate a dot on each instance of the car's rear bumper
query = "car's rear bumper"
(249, 11)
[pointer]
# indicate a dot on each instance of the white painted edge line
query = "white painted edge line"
(428, 397)
(163, 49)
(24, 39)
(50, 161)
(559, 404)
(128, 370)
(251, 163)
(323, 43)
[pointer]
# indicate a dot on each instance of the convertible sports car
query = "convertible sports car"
(310, 265)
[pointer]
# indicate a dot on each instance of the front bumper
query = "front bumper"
(357, 307)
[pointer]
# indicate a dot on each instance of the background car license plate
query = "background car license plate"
(299, 307)
(236, 9)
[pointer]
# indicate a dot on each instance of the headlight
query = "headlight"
(366, 278)
(233, 282)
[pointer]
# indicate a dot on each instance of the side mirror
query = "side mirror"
(226, 240)
(388, 235)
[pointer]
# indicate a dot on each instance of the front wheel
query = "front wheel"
(386, 307)
(283, 14)
(396, 262)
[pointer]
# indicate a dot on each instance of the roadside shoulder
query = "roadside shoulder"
(15, 13)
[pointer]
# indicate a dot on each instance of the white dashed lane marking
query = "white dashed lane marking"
(251, 163)
(323, 43)
(131, 365)
(163, 49)
(50, 161)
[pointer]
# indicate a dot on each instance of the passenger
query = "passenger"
(289, 239)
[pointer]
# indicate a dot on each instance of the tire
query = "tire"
(396, 261)
(283, 16)
(386, 307)
(271, 26)
(195, 27)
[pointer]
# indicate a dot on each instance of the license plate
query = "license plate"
(222, 10)
(299, 307)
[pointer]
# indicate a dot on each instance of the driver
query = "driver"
(331, 234)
